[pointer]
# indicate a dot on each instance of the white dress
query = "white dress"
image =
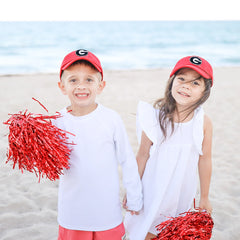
(170, 177)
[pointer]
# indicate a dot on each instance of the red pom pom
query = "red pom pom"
(36, 145)
(188, 226)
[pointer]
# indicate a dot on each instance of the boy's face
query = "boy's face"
(81, 84)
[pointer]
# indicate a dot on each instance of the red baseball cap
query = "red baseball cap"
(80, 54)
(196, 63)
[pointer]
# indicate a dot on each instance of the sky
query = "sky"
(114, 10)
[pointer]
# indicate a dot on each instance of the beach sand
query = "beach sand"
(28, 209)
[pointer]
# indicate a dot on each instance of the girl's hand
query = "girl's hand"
(205, 204)
(124, 203)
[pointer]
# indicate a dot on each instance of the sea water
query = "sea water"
(35, 47)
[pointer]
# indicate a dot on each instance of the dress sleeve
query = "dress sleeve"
(198, 133)
(147, 122)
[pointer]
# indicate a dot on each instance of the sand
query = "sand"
(28, 209)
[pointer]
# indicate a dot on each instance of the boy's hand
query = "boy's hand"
(133, 212)
(124, 203)
(126, 208)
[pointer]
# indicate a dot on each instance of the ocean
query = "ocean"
(39, 47)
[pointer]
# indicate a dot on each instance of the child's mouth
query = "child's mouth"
(82, 95)
(184, 94)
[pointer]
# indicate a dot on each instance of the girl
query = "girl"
(175, 137)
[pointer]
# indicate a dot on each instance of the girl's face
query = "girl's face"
(81, 84)
(188, 87)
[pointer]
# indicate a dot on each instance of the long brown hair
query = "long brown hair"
(167, 105)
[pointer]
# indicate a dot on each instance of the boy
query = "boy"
(88, 204)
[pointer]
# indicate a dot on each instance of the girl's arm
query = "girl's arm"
(205, 166)
(143, 153)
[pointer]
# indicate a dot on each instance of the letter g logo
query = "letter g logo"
(81, 52)
(196, 60)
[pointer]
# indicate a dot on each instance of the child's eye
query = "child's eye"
(73, 80)
(89, 80)
(196, 83)
(181, 79)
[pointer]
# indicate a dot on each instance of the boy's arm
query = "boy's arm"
(130, 176)
(142, 157)
(205, 166)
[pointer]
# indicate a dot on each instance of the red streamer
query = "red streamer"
(188, 226)
(36, 145)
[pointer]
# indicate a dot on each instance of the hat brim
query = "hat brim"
(81, 58)
(198, 70)
(75, 60)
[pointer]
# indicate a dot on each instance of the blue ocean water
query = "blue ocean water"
(33, 47)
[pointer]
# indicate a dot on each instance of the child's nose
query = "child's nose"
(81, 85)
(187, 85)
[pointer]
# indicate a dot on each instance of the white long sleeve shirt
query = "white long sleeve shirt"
(89, 191)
